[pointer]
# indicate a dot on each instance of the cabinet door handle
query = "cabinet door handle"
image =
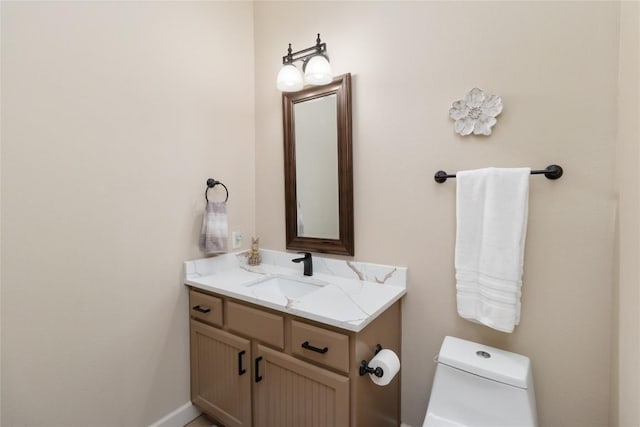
(316, 349)
(258, 378)
(240, 370)
(202, 309)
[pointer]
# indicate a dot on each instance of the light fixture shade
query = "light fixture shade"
(318, 71)
(289, 79)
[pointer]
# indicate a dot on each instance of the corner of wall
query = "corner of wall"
(625, 374)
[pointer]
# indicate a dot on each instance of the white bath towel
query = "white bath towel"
(491, 210)
(215, 230)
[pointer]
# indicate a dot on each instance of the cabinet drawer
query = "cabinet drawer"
(205, 307)
(320, 345)
(258, 324)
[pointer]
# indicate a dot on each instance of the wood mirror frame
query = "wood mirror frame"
(341, 87)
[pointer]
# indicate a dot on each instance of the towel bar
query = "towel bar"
(551, 172)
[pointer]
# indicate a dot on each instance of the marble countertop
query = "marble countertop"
(349, 294)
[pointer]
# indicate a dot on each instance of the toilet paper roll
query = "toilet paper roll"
(389, 362)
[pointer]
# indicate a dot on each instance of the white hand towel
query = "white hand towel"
(215, 231)
(492, 208)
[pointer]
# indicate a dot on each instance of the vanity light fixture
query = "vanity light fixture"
(315, 64)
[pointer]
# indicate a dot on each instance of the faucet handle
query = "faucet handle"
(306, 257)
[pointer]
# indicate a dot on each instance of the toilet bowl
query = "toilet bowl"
(478, 385)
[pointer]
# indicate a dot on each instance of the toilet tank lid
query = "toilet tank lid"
(488, 362)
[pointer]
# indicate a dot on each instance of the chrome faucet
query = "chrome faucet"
(308, 263)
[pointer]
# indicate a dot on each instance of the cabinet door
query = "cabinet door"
(291, 393)
(220, 374)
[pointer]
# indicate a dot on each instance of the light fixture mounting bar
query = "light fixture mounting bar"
(319, 49)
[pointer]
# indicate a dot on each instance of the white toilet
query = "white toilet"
(477, 385)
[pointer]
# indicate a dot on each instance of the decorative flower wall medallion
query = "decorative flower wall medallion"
(476, 112)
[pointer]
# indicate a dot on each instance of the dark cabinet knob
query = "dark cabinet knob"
(257, 377)
(308, 346)
(201, 309)
(241, 370)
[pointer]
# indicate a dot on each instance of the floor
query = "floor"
(201, 421)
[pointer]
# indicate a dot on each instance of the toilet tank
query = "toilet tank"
(478, 385)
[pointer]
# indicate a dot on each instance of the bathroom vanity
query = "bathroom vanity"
(271, 347)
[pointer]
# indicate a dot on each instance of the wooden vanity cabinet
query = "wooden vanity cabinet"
(252, 366)
(288, 392)
(220, 378)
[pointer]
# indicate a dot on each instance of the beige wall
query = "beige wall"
(555, 65)
(114, 115)
(625, 410)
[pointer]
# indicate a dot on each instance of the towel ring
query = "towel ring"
(212, 183)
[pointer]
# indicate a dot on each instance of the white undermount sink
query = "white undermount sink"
(281, 286)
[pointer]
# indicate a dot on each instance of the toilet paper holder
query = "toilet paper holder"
(366, 369)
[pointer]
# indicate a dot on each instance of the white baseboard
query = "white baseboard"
(186, 413)
(179, 417)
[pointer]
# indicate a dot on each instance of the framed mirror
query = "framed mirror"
(318, 168)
